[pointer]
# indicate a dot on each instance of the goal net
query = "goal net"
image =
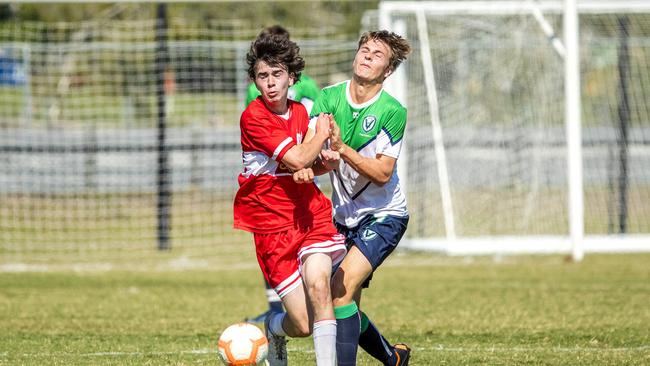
(118, 137)
(486, 142)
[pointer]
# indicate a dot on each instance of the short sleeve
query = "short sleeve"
(260, 133)
(389, 140)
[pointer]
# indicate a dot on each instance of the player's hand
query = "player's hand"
(336, 143)
(330, 159)
(303, 176)
(323, 125)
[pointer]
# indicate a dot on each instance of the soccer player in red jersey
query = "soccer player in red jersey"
(304, 90)
(295, 240)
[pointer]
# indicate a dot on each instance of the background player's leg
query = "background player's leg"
(275, 305)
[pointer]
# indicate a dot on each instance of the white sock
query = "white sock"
(325, 342)
(272, 296)
(275, 324)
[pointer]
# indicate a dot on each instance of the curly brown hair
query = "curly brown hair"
(275, 29)
(275, 50)
(399, 46)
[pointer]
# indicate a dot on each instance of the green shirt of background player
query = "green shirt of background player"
(369, 204)
(305, 91)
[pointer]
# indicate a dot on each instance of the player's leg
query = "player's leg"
(307, 303)
(308, 308)
(316, 273)
(276, 255)
(346, 285)
(295, 322)
(373, 239)
(274, 301)
(374, 343)
(305, 293)
(322, 248)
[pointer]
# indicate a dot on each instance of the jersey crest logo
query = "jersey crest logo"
(369, 123)
(368, 235)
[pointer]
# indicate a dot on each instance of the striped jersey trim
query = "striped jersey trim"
(282, 145)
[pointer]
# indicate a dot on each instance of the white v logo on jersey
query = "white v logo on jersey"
(369, 123)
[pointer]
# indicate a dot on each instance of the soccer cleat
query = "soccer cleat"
(403, 353)
(258, 319)
(277, 345)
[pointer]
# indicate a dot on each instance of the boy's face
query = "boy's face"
(371, 63)
(273, 82)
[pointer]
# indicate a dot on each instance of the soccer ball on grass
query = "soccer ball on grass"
(243, 344)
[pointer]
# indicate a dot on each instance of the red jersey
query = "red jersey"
(268, 200)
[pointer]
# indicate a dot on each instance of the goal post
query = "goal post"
(525, 143)
(572, 122)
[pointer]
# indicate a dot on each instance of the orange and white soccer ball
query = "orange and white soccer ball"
(243, 344)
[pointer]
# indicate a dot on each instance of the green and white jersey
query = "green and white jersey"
(371, 128)
(305, 91)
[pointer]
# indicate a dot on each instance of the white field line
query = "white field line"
(177, 264)
(533, 349)
(439, 348)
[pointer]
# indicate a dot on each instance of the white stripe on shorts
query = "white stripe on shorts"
(289, 284)
(335, 248)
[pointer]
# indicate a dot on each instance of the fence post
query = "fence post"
(164, 173)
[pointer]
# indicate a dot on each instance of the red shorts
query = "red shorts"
(281, 254)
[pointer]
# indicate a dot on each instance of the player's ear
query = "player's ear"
(388, 72)
(292, 79)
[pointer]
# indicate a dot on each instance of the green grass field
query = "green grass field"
(452, 310)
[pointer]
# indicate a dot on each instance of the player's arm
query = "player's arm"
(378, 169)
(327, 161)
(303, 155)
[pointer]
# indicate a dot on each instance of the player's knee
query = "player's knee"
(319, 289)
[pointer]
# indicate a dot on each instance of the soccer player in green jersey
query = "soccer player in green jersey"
(306, 91)
(369, 204)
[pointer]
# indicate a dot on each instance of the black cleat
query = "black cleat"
(403, 353)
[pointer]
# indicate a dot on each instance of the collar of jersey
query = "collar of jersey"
(362, 105)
